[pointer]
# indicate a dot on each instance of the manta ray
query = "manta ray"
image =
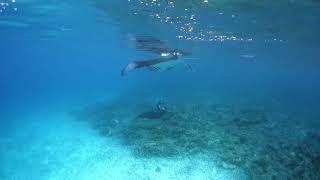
(169, 58)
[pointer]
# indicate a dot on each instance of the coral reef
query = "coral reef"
(265, 144)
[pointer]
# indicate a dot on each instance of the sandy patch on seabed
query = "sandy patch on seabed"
(54, 146)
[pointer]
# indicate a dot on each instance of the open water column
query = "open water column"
(159, 89)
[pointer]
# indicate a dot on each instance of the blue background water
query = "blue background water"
(73, 53)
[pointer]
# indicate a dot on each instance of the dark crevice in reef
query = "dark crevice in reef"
(267, 145)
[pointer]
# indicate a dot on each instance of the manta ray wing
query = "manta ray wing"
(150, 44)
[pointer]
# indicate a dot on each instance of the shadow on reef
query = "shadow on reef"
(159, 112)
(267, 145)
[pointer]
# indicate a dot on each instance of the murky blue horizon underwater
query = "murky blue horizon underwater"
(159, 89)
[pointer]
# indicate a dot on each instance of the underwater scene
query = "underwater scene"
(160, 89)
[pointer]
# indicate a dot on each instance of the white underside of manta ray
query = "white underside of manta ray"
(164, 66)
(164, 63)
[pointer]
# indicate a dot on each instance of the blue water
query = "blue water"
(247, 109)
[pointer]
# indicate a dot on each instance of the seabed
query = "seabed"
(247, 142)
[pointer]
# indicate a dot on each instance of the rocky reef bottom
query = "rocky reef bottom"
(265, 144)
